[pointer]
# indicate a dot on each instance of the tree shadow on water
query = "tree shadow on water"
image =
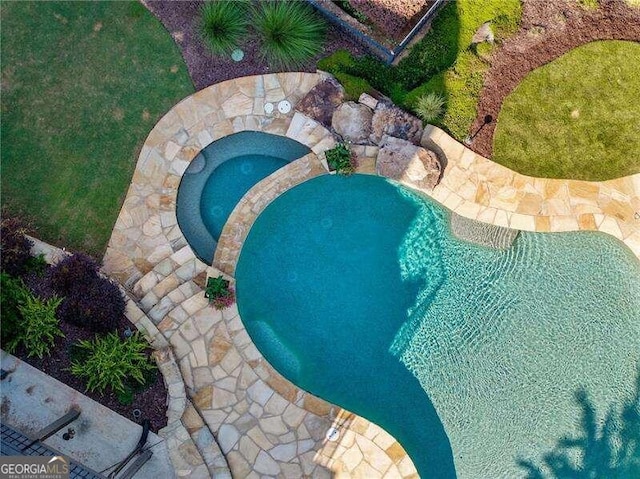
(604, 450)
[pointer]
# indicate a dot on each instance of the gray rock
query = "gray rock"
(412, 165)
(368, 100)
(483, 34)
(390, 120)
(352, 121)
(321, 101)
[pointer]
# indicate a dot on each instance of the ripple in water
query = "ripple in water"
(508, 339)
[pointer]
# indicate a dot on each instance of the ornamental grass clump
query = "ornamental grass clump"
(223, 25)
(38, 326)
(291, 32)
(219, 293)
(109, 362)
(430, 107)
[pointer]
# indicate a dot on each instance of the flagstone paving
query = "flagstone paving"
(231, 404)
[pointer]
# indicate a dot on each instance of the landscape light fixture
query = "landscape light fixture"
(487, 119)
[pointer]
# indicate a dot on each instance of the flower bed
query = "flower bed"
(47, 310)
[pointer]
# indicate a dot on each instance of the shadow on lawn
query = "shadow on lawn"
(608, 449)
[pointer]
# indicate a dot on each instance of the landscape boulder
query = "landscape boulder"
(352, 121)
(407, 163)
(390, 120)
(321, 101)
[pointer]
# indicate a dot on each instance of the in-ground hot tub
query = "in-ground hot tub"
(218, 178)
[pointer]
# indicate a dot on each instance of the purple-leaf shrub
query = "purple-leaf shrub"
(75, 271)
(97, 306)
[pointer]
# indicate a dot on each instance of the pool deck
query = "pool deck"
(221, 388)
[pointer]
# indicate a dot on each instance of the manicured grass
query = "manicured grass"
(576, 117)
(83, 83)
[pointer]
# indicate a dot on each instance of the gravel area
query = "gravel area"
(152, 401)
(181, 19)
(548, 30)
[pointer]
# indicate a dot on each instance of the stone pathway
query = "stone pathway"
(222, 391)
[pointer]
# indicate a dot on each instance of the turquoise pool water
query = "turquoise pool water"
(354, 289)
(219, 177)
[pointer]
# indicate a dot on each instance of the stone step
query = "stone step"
(205, 442)
(157, 307)
(186, 309)
(186, 273)
(180, 261)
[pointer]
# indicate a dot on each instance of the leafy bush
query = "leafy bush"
(223, 24)
(90, 300)
(38, 327)
(16, 247)
(340, 159)
(109, 362)
(13, 294)
(338, 61)
(97, 306)
(353, 86)
(430, 107)
(77, 270)
(219, 293)
(291, 32)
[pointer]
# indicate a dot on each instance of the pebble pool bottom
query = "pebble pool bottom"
(471, 357)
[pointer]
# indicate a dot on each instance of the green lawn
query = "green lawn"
(83, 83)
(576, 117)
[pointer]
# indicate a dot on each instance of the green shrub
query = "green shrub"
(291, 32)
(223, 24)
(430, 107)
(339, 61)
(38, 327)
(219, 293)
(353, 86)
(340, 159)
(109, 362)
(13, 294)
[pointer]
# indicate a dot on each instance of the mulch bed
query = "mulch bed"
(548, 30)
(152, 402)
(181, 19)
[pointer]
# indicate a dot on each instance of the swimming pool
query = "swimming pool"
(469, 356)
(218, 178)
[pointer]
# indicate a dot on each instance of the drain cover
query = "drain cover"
(284, 106)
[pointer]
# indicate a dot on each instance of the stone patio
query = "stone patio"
(226, 401)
